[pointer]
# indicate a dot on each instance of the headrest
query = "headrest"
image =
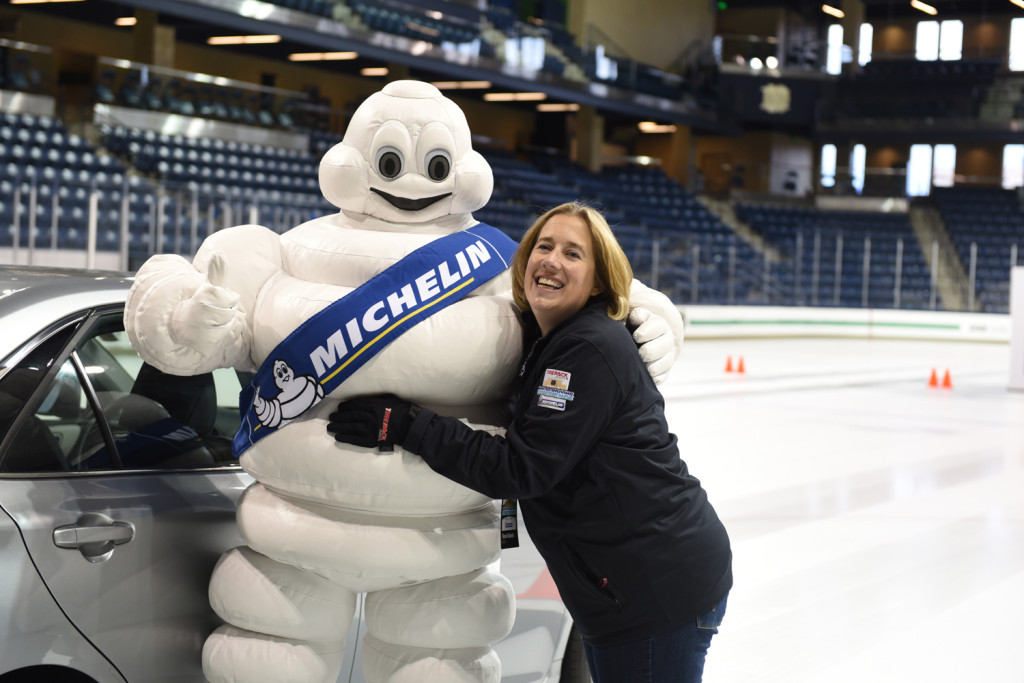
(191, 400)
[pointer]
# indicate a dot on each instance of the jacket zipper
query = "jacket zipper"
(522, 368)
(600, 583)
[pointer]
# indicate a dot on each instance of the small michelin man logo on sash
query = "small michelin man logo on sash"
(296, 395)
(554, 391)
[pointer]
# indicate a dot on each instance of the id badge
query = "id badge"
(509, 524)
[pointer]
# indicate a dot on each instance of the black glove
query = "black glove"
(370, 421)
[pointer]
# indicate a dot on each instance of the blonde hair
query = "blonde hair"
(611, 267)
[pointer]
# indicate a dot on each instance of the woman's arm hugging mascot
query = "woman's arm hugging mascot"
(325, 521)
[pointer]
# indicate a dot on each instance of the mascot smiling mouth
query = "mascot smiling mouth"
(407, 204)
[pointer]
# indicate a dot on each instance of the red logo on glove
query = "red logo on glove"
(383, 435)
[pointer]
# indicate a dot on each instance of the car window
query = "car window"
(106, 408)
(19, 383)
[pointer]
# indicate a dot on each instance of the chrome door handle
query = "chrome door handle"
(74, 536)
(95, 535)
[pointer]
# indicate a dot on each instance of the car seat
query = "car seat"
(34, 448)
(189, 400)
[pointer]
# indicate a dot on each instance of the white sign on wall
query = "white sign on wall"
(1017, 328)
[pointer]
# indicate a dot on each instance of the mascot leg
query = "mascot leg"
(283, 623)
(439, 631)
(232, 655)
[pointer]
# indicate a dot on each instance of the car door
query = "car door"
(122, 485)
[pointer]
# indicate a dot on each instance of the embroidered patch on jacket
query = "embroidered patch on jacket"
(556, 379)
(554, 390)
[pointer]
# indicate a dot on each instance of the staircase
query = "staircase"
(930, 229)
(726, 213)
(1003, 99)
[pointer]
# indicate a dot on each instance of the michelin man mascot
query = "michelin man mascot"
(320, 314)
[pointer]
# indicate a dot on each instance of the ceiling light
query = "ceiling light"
(771, 61)
(927, 9)
(243, 40)
(514, 96)
(321, 56)
(756, 63)
(652, 127)
(1018, 3)
(125, 21)
(552, 106)
(467, 85)
(375, 71)
(255, 9)
(829, 9)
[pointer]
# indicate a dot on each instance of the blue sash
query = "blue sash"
(328, 347)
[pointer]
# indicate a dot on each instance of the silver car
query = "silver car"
(118, 493)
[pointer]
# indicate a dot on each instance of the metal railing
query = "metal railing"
(824, 268)
(134, 217)
(137, 218)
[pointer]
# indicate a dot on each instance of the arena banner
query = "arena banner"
(763, 98)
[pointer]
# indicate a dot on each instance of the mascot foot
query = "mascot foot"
(387, 663)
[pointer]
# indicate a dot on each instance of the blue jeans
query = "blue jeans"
(673, 656)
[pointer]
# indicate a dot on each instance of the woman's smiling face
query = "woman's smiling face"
(560, 274)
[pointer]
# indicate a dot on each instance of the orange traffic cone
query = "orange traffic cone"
(739, 366)
(728, 364)
(947, 381)
(934, 380)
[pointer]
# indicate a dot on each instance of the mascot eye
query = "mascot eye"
(438, 166)
(389, 163)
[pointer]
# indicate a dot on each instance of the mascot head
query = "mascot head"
(283, 374)
(406, 158)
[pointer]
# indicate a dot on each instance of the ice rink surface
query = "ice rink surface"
(877, 523)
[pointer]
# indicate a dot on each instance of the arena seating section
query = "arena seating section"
(942, 89)
(644, 207)
(856, 252)
(563, 58)
(177, 188)
(991, 219)
(38, 151)
(133, 89)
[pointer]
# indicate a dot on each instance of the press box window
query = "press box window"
(828, 165)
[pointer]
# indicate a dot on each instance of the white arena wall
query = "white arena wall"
(717, 322)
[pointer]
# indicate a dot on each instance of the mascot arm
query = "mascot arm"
(657, 327)
(187, 319)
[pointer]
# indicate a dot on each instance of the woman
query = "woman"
(639, 556)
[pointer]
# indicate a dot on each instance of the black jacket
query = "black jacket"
(630, 539)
